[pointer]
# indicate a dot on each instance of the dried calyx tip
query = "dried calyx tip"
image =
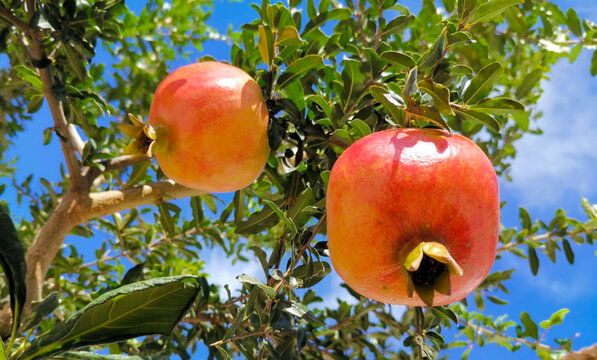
(427, 269)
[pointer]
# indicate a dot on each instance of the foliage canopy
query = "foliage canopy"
(332, 73)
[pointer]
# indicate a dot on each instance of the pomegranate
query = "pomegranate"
(413, 216)
(207, 127)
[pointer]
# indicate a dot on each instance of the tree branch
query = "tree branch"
(109, 202)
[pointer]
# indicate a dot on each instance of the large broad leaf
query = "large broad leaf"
(143, 308)
(434, 54)
(12, 259)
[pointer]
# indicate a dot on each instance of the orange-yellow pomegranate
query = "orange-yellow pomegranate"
(413, 216)
(210, 123)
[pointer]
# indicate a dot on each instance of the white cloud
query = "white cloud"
(221, 270)
(562, 160)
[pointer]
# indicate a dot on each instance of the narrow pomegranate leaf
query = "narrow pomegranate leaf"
(2, 351)
(465, 7)
(299, 68)
(533, 260)
(434, 54)
(440, 95)
(573, 22)
(12, 259)
(398, 24)
(459, 37)
(289, 223)
(528, 83)
(489, 10)
(39, 310)
(142, 308)
(591, 211)
(266, 45)
(568, 251)
(392, 102)
(288, 36)
(427, 113)
(482, 83)
(258, 221)
(499, 106)
(410, 88)
(530, 327)
(398, 59)
(478, 118)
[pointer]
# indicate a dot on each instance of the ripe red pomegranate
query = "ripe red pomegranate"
(413, 216)
(209, 122)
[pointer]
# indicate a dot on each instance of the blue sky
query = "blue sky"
(550, 171)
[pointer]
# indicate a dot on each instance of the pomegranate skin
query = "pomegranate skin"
(393, 189)
(213, 121)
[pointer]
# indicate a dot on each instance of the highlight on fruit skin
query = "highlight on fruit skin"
(413, 216)
(207, 127)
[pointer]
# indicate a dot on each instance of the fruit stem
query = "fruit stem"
(427, 268)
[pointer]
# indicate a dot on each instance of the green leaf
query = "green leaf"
(483, 83)
(525, 218)
(533, 260)
(143, 308)
(440, 95)
(299, 68)
(398, 24)
(240, 207)
(479, 301)
(427, 113)
(459, 37)
(528, 83)
(138, 173)
(133, 274)
(288, 36)
(322, 103)
(434, 54)
(266, 44)
(39, 310)
(391, 102)
(445, 313)
(435, 337)
(258, 222)
(410, 88)
(573, 22)
(29, 76)
(591, 211)
(497, 300)
(12, 259)
(489, 10)
(594, 64)
(555, 318)
(311, 273)
(479, 118)
(550, 248)
(568, 251)
(530, 327)
(449, 5)
(2, 351)
(289, 223)
(499, 106)
(465, 7)
(240, 317)
(398, 59)
(247, 279)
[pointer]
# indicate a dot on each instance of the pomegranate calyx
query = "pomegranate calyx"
(146, 138)
(427, 268)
